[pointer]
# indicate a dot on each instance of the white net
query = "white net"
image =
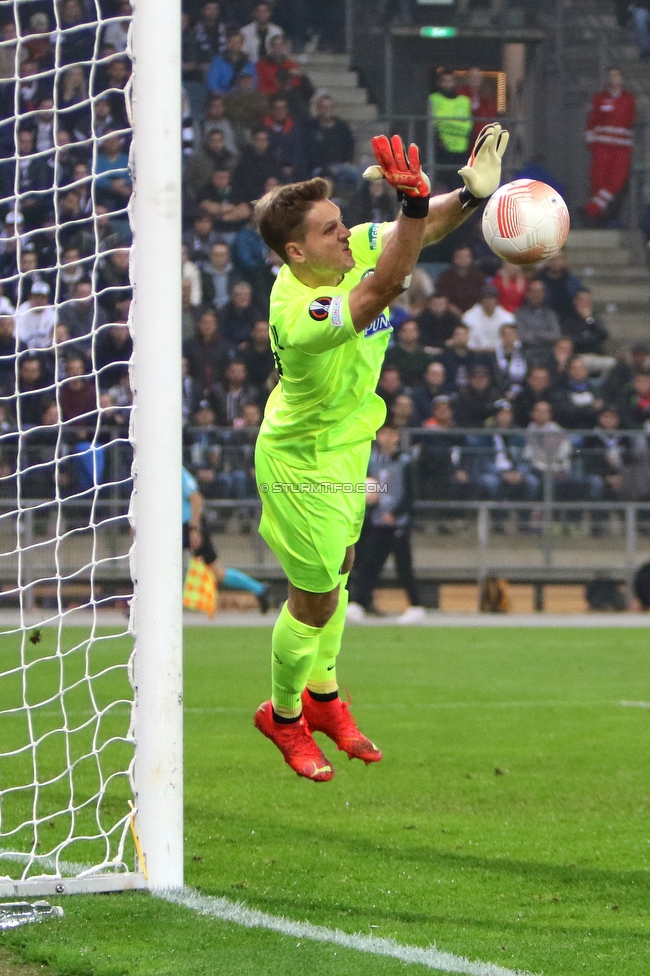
(66, 697)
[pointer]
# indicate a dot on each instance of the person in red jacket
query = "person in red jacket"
(484, 107)
(610, 138)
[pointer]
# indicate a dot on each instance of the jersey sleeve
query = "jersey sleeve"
(318, 322)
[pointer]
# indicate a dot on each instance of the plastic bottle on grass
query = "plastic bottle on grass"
(16, 913)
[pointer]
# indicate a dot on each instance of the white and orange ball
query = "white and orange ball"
(526, 221)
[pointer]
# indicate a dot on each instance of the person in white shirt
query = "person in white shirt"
(485, 319)
(259, 32)
(116, 33)
(36, 318)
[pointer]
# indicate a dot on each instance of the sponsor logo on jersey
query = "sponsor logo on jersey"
(320, 308)
(381, 324)
(373, 236)
(367, 272)
(336, 311)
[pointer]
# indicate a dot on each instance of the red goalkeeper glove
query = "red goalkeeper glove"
(405, 175)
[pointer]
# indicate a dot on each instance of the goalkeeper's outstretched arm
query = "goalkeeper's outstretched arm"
(481, 176)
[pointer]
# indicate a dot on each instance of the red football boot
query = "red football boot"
(296, 743)
(335, 720)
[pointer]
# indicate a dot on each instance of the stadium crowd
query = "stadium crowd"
(490, 369)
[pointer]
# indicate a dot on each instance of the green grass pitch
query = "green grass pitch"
(508, 821)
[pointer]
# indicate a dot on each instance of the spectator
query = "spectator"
(76, 43)
(7, 349)
(113, 180)
(458, 359)
(113, 351)
(256, 166)
(228, 210)
(576, 404)
(451, 115)
(389, 385)
(444, 465)
(485, 320)
(563, 353)
(227, 67)
(537, 324)
(215, 120)
(373, 202)
(191, 73)
(329, 144)
(586, 331)
(231, 396)
(200, 239)
(276, 60)
(606, 453)
(70, 273)
(503, 472)
(475, 403)
(386, 528)
(116, 33)
(260, 32)
(245, 108)
(77, 395)
(509, 366)
(207, 458)
(257, 355)
(561, 286)
(82, 314)
(207, 353)
(634, 403)
(192, 392)
(437, 323)
(462, 283)
(538, 387)
(620, 376)
(117, 75)
(433, 385)
(36, 318)
(610, 137)
(549, 452)
(252, 258)
(510, 281)
(219, 276)
(402, 413)
(32, 175)
(191, 275)
(484, 107)
(239, 315)
(210, 33)
(73, 106)
(407, 355)
(201, 165)
(29, 403)
(285, 142)
(113, 280)
(298, 90)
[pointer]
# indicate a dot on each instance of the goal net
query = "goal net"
(78, 692)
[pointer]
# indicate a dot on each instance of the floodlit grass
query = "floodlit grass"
(508, 821)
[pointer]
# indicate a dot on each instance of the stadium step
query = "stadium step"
(323, 78)
(331, 73)
(594, 239)
(626, 327)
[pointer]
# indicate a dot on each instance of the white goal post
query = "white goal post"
(65, 822)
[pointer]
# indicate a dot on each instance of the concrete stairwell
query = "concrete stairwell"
(607, 263)
(331, 73)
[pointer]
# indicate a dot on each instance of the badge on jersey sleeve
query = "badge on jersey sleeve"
(326, 307)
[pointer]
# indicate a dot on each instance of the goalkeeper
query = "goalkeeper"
(329, 331)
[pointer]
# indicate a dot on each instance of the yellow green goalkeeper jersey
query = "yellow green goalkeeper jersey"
(325, 402)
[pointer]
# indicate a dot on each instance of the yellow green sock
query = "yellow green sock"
(293, 651)
(322, 677)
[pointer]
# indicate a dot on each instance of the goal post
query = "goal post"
(91, 710)
(157, 395)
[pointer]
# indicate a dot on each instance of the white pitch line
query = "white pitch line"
(238, 913)
(635, 704)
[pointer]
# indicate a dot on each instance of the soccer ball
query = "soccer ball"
(526, 221)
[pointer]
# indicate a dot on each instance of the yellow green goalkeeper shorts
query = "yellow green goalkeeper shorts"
(310, 517)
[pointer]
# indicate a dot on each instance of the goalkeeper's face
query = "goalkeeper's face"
(324, 248)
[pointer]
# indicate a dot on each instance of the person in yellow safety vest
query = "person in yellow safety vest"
(452, 114)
